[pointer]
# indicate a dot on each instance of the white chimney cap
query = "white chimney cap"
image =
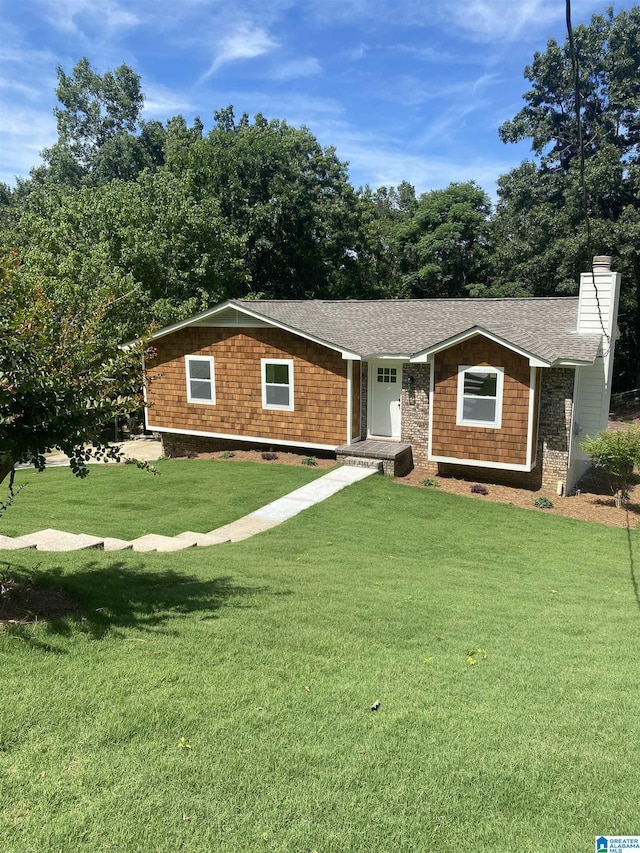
(602, 261)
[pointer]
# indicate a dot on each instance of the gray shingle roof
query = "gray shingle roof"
(543, 327)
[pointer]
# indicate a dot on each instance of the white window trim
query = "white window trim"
(480, 368)
(263, 364)
(188, 359)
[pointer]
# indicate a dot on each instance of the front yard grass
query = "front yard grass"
(219, 699)
(121, 501)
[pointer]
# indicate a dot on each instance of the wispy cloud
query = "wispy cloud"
(23, 135)
(297, 68)
(70, 16)
(162, 102)
(246, 42)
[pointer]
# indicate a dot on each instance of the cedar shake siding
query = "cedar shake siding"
(319, 386)
(506, 445)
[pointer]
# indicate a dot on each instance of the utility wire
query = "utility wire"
(585, 197)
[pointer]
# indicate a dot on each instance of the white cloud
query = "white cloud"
(297, 68)
(245, 42)
(23, 135)
(162, 103)
(111, 16)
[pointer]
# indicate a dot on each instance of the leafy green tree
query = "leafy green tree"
(539, 228)
(442, 243)
(285, 197)
(164, 252)
(608, 51)
(61, 381)
(100, 135)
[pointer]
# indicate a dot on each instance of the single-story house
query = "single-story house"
(488, 388)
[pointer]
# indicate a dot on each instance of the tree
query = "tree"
(61, 382)
(100, 135)
(439, 242)
(540, 229)
(163, 250)
(286, 198)
(608, 51)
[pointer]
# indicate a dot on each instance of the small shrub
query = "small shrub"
(617, 453)
(430, 482)
(309, 460)
(479, 489)
(543, 503)
(268, 456)
(227, 454)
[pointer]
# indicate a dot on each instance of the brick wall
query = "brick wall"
(415, 410)
(556, 403)
(364, 397)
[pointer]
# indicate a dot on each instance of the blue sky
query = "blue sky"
(404, 89)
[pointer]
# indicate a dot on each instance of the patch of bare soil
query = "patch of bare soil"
(23, 603)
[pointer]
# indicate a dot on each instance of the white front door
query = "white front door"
(385, 389)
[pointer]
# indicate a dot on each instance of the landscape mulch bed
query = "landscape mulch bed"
(593, 503)
(280, 457)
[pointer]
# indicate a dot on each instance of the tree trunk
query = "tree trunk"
(6, 467)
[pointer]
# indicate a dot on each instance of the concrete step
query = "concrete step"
(58, 540)
(7, 543)
(113, 544)
(155, 542)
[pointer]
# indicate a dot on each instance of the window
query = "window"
(480, 396)
(277, 383)
(388, 375)
(201, 385)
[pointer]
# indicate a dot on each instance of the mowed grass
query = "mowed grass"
(219, 699)
(122, 501)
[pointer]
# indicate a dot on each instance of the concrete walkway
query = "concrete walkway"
(256, 522)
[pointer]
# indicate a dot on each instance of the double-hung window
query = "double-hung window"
(480, 396)
(201, 383)
(277, 383)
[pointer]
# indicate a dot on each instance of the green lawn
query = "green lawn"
(122, 501)
(265, 657)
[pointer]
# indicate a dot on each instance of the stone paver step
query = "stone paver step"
(155, 542)
(8, 543)
(113, 544)
(57, 540)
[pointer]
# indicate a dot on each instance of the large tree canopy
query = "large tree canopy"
(608, 51)
(540, 230)
(100, 134)
(286, 197)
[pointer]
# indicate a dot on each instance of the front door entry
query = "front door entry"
(385, 389)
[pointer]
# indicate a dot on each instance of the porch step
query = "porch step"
(363, 462)
(395, 456)
(57, 540)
